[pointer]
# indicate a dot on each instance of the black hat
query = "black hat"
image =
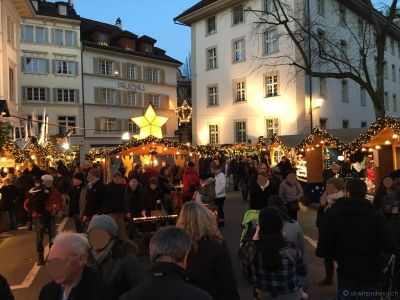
(270, 221)
(79, 176)
(191, 164)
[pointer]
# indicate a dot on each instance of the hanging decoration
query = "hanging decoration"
(276, 140)
(8, 145)
(325, 138)
(184, 113)
(150, 124)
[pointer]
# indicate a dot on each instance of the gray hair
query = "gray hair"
(169, 242)
(78, 242)
(133, 181)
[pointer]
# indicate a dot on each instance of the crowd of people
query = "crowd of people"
(191, 259)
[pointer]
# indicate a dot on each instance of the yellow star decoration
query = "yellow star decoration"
(150, 124)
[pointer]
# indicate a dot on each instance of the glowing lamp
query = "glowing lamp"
(387, 142)
(340, 158)
(370, 150)
(364, 149)
(395, 136)
(126, 136)
(65, 146)
(377, 147)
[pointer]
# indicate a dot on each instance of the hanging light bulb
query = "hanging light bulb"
(370, 150)
(364, 149)
(387, 142)
(377, 147)
(395, 136)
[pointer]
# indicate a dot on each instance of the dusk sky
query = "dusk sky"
(151, 17)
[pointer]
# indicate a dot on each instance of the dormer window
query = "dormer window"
(103, 39)
(35, 4)
(62, 9)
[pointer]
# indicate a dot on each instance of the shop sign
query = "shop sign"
(131, 87)
(7, 163)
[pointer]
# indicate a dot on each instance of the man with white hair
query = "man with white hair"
(72, 279)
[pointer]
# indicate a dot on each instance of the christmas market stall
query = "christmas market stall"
(276, 149)
(379, 149)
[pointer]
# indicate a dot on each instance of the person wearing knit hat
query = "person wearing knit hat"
(112, 258)
(274, 266)
(77, 201)
(47, 177)
(335, 189)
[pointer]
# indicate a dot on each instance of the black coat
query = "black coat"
(115, 201)
(166, 281)
(91, 287)
(210, 269)
(134, 201)
(63, 184)
(354, 234)
(259, 197)
(24, 182)
(150, 198)
(74, 200)
(9, 194)
(96, 199)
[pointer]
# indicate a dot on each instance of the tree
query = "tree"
(186, 68)
(353, 49)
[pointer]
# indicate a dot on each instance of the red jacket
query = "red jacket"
(190, 177)
(53, 202)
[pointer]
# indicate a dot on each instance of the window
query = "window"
(70, 38)
(345, 124)
(342, 15)
(343, 50)
(153, 75)
(133, 128)
(385, 71)
(360, 27)
(393, 73)
(364, 124)
(322, 88)
(394, 102)
(240, 132)
(212, 58)
(213, 134)
(131, 71)
(269, 6)
(363, 97)
(11, 84)
(58, 37)
(41, 35)
(10, 30)
(238, 14)
(35, 94)
(392, 50)
(271, 127)
(62, 10)
(386, 101)
(321, 7)
(155, 100)
(238, 51)
(63, 67)
(212, 95)
(345, 91)
(134, 99)
(66, 123)
(271, 82)
(35, 65)
(211, 25)
(27, 33)
(66, 95)
(105, 67)
(321, 40)
(37, 124)
(271, 41)
(323, 123)
(108, 124)
(107, 96)
(240, 91)
(103, 39)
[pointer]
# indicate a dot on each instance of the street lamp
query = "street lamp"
(315, 104)
(126, 136)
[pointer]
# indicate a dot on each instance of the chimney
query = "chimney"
(118, 23)
(71, 3)
(396, 21)
(35, 4)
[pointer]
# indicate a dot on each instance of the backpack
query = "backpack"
(36, 201)
(249, 225)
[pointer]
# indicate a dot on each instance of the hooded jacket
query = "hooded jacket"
(207, 192)
(354, 234)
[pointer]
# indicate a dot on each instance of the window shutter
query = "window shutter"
(140, 99)
(124, 100)
(234, 82)
(55, 95)
(47, 66)
(124, 72)
(52, 39)
(146, 100)
(46, 34)
(54, 66)
(165, 101)
(162, 76)
(118, 96)
(119, 124)
(23, 64)
(145, 74)
(97, 125)
(76, 96)
(23, 33)
(125, 126)
(48, 95)
(97, 95)
(24, 96)
(76, 69)
(164, 129)
(139, 73)
(95, 65)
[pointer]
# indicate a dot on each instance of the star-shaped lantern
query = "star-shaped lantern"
(184, 112)
(150, 124)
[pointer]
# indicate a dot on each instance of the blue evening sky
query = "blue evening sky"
(144, 17)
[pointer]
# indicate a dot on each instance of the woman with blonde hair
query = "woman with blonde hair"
(209, 265)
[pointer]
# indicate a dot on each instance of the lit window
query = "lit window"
(213, 134)
(238, 51)
(271, 82)
(212, 95)
(212, 58)
(271, 127)
(240, 132)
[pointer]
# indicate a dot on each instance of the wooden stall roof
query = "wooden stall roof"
(319, 135)
(156, 149)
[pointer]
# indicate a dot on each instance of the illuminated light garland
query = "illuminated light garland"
(318, 133)
(184, 113)
(8, 145)
(276, 140)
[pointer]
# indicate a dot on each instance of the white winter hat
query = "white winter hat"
(47, 178)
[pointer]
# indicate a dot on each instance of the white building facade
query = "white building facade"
(51, 76)
(236, 98)
(122, 75)
(10, 16)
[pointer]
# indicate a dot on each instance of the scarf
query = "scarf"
(99, 257)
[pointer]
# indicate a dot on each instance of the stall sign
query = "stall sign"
(7, 163)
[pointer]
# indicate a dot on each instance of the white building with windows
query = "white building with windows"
(122, 75)
(51, 74)
(236, 98)
(11, 12)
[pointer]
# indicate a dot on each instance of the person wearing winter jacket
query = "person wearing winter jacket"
(190, 180)
(291, 191)
(134, 199)
(113, 259)
(96, 196)
(152, 196)
(115, 205)
(207, 191)
(78, 183)
(261, 188)
(9, 193)
(220, 185)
